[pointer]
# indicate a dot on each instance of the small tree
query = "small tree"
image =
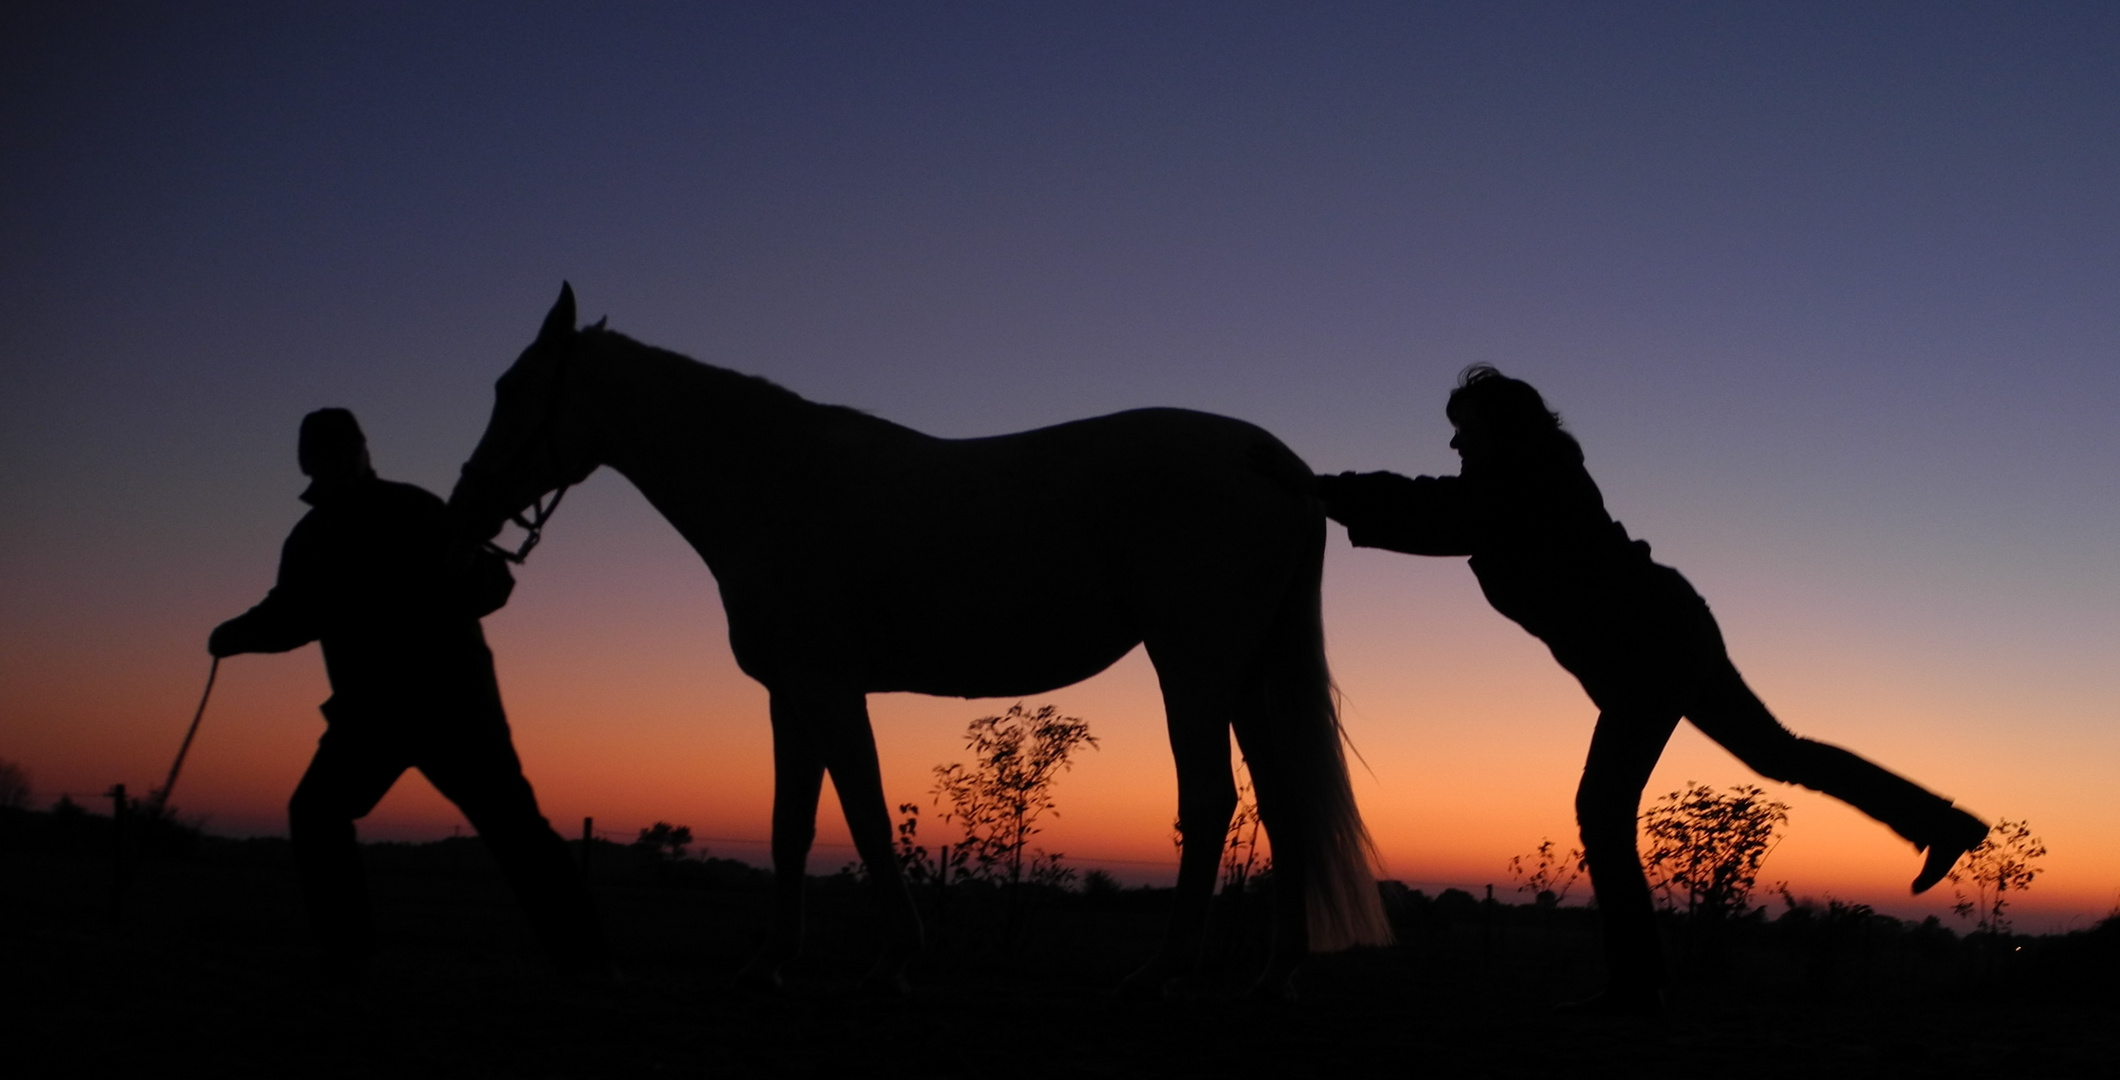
(1709, 847)
(998, 801)
(1546, 873)
(2003, 863)
(1100, 883)
(14, 785)
(664, 840)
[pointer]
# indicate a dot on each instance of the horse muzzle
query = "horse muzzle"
(478, 508)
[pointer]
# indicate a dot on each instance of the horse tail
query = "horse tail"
(1295, 749)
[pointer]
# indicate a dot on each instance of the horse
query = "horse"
(857, 556)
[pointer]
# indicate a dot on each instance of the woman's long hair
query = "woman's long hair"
(1512, 412)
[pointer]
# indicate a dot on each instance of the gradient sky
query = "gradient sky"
(1830, 293)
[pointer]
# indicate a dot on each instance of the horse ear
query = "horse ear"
(561, 319)
(600, 323)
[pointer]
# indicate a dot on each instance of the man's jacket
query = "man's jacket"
(376, 573)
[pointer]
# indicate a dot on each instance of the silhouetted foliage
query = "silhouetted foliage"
(201, 938)
(998, 801)
(148, 830)
(1546, 873)
(2004, 863)
(1708, 847)
(14, 785)
(157, 830)
(914, 861)
(996, 804)
(1243, 861)
(1099, 884)
(448, 857)
(1456, 905)
(1830, 936)
(663, 840)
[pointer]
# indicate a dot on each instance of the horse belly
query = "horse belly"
(1025, 640)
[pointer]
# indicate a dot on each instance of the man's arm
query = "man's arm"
(485, 580)
(285, 619)
(1425, 515)
(474, 575)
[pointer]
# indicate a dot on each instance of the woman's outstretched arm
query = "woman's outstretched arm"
(1422, 515)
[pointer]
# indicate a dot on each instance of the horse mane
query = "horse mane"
(687, 370)
(745, 409)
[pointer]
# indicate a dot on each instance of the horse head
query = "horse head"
(538, 440)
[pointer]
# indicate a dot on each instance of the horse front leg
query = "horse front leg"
(798, 778)
(849, 744)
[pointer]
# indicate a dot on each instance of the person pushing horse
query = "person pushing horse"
(377, 572)
(1634, 632)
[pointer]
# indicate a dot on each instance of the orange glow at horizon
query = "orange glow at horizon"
(1828, 302)
(1468, 737)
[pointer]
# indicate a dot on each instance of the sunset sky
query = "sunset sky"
(1830, 294)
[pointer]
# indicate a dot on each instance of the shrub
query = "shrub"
(1708, 847)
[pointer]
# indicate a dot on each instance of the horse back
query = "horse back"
(1017, 563)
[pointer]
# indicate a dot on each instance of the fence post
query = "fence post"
(942, 889)
(1487, 913)
(120, 864)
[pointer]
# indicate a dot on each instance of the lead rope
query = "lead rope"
(161, 797)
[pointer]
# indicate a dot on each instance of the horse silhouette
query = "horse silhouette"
(857, 556)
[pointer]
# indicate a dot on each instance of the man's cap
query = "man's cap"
(327, 431)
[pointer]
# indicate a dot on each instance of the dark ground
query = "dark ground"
(204, 974)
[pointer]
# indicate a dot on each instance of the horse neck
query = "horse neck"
(703, 444)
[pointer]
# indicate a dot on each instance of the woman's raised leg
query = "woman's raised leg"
(1727, 711)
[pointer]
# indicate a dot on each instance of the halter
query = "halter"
(539, 510)
(533, 527)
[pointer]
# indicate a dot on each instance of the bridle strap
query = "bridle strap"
(539, 510)
(533, 526)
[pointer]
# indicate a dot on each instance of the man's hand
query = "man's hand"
(226, 640)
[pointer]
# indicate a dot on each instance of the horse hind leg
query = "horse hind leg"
(1207, 796)
(1325, 894)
